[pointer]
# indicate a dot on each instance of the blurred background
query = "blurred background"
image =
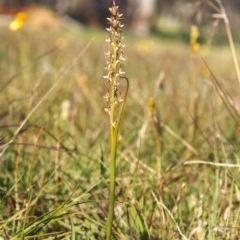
(140, 16)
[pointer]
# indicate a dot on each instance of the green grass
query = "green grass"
(54, 174)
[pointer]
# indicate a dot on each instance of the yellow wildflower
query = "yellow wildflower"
(18, 21)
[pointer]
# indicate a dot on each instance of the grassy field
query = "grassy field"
(177, 172)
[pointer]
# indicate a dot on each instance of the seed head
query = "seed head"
(194, 39)
(114, 52)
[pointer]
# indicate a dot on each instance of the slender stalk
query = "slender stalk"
(114, 101)
(233, 50)
(112, 187)
(223, 15)
(112, 177)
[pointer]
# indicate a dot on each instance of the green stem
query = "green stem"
(114, 127)
(112, 186)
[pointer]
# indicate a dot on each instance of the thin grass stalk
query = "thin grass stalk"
(156, 121)
(223, 15)
(161, 205)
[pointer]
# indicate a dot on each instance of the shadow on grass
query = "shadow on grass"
(145, 236)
